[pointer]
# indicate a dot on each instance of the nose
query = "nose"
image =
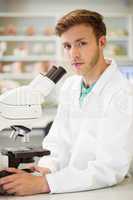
(74, 52)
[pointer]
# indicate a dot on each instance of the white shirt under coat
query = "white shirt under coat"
(91, 144)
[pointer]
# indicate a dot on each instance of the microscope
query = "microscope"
(21, 107)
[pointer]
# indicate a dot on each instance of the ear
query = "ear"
(102, 41)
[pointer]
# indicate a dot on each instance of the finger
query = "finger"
(10, 185)
(30, 165)
(36, 168)
(14, 170)
(7, 179)
(42, 170)
(16, 191)
(11, 191)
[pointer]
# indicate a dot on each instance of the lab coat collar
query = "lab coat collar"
(105, 77)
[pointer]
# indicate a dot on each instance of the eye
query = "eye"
(82, 43)
(67, 46)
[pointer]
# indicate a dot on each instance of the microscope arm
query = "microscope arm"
(20, 107)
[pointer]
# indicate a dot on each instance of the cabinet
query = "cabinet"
(28, 45)
(119, 35)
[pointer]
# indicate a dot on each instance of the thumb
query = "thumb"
(42, 170)
(31, 166)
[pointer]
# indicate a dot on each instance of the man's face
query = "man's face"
(81, 48)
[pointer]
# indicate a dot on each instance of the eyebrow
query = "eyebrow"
(78, 40)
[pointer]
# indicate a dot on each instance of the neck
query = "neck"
(95, 73)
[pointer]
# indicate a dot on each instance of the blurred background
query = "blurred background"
(28, 44)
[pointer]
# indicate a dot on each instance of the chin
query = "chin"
(78, 72)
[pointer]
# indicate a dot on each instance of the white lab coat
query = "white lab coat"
(91, 144)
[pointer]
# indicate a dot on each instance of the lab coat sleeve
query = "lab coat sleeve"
(113, 153)
(57, 141)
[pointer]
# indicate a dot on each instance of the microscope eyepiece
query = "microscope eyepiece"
(51, 71)
(55, 73)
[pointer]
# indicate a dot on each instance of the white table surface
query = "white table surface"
(123, 191)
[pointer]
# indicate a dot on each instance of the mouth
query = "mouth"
(77, 65)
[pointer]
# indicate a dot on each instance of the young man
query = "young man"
(92, 135)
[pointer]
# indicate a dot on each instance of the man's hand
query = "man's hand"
(22, 183)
